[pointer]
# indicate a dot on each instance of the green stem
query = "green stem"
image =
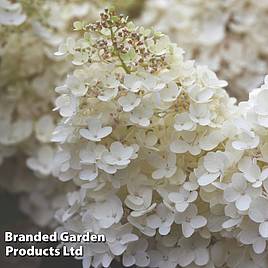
(123, 65)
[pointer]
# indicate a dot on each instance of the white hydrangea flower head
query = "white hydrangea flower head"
(218, 34)
(151, 151)
(150, 143)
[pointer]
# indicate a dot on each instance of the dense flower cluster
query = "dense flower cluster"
(150, 149)
(30, 33)
(29, 71)
(229, 36)
(165, 164)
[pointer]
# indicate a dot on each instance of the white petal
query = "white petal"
(263, 120)
(263, 229)
(164, 230)
(230, 223)
(153, 221)
(159, 174)
(85, 133)
(214, 162)
(106, 260)
(105, 131)
(187, 229)
(230, 194)
(208, 178)
(181, 207)
(186, 257)
(198, 222)
(201, 256)
(175, 197)
(142, 259)
(86, 262)
(258, 210)
(128, 238)
(218, 254)
(128, 260)
(239, 182)
(243, 202)
(259, 245)
(179, 146)
(88, 174)
(138, 201)
(264, 174)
